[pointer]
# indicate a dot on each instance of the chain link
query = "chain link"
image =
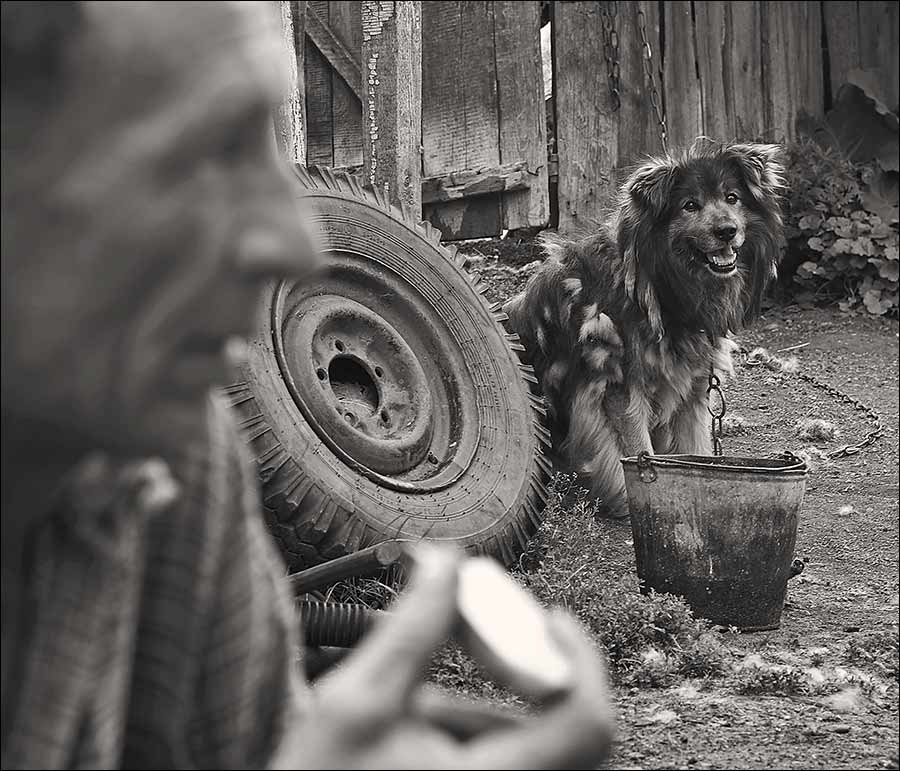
(717, 413)
(655, 99)
(876, 429)
(874, 419)
(608, 13)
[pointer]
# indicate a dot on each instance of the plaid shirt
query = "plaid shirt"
(159, 632)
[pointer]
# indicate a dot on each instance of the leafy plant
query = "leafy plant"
(842, 225)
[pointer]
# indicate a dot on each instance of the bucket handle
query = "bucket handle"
(645, 463)
(645, 467)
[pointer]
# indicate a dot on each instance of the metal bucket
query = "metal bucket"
(719, 531)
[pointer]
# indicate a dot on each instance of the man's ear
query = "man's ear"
(650, 185)
(33, 40)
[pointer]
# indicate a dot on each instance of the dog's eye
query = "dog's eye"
(691, 206)
(732, 198)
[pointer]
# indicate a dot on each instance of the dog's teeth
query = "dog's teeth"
(723, 258)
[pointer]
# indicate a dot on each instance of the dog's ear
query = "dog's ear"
(762, 167)
(650, 185)
(763, 171)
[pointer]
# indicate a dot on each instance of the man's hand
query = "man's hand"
(374, 712)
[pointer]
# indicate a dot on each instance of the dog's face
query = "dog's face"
(709, 219)
(704, 225)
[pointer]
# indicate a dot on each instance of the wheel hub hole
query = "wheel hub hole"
(352, 384)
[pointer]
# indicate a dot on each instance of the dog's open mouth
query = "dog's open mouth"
(722, 262)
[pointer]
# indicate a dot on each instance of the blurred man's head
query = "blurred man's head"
(143, 204)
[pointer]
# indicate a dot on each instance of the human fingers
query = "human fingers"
(395, 653)
(576, 732)
(463, 719)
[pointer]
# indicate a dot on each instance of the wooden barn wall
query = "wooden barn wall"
(593, 138)
(864, 36)
(483, 109)
(728, 70)
(334, 113)
(484, 156)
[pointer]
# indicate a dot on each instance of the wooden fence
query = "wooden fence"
(729, 70)
(483, 137)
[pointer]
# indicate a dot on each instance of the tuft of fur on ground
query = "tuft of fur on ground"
(816, 430)
(735, 425)
(761, 356)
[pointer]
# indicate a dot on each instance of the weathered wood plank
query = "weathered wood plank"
(522, 117)
(842, 34)
(346, 25)
(864, 35)
(290, 122)
(319, 124)
(392, 56)
(793, 64)
(587, 132)
(879, 46)
(463, 184)
(460, 121)
(744, 71)
(712, 33)
(341, 59)
(477, 217)
(684, 109)
(730, 58)
(637, 123)
(460, 88)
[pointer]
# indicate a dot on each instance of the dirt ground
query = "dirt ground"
(848, 538)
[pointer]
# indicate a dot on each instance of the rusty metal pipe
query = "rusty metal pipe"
(365, 562)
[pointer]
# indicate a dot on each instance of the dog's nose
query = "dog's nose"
(726, 232)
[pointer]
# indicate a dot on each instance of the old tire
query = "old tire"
(384, 399)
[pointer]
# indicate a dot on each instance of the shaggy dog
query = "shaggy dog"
(624, 327)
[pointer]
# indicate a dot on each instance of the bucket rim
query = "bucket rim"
(788, 463)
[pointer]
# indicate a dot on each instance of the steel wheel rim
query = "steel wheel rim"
(438, 446)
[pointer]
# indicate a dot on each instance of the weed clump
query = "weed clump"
(650, 639)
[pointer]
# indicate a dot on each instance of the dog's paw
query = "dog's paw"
(613, 508)
(617, 514)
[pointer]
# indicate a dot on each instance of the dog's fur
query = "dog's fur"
(622, 327)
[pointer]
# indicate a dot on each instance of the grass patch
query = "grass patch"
(649, 639)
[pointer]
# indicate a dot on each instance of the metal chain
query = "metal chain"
(876, 429)
(715, 388)
(655, 99)
(608, 13)
(874, 419)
